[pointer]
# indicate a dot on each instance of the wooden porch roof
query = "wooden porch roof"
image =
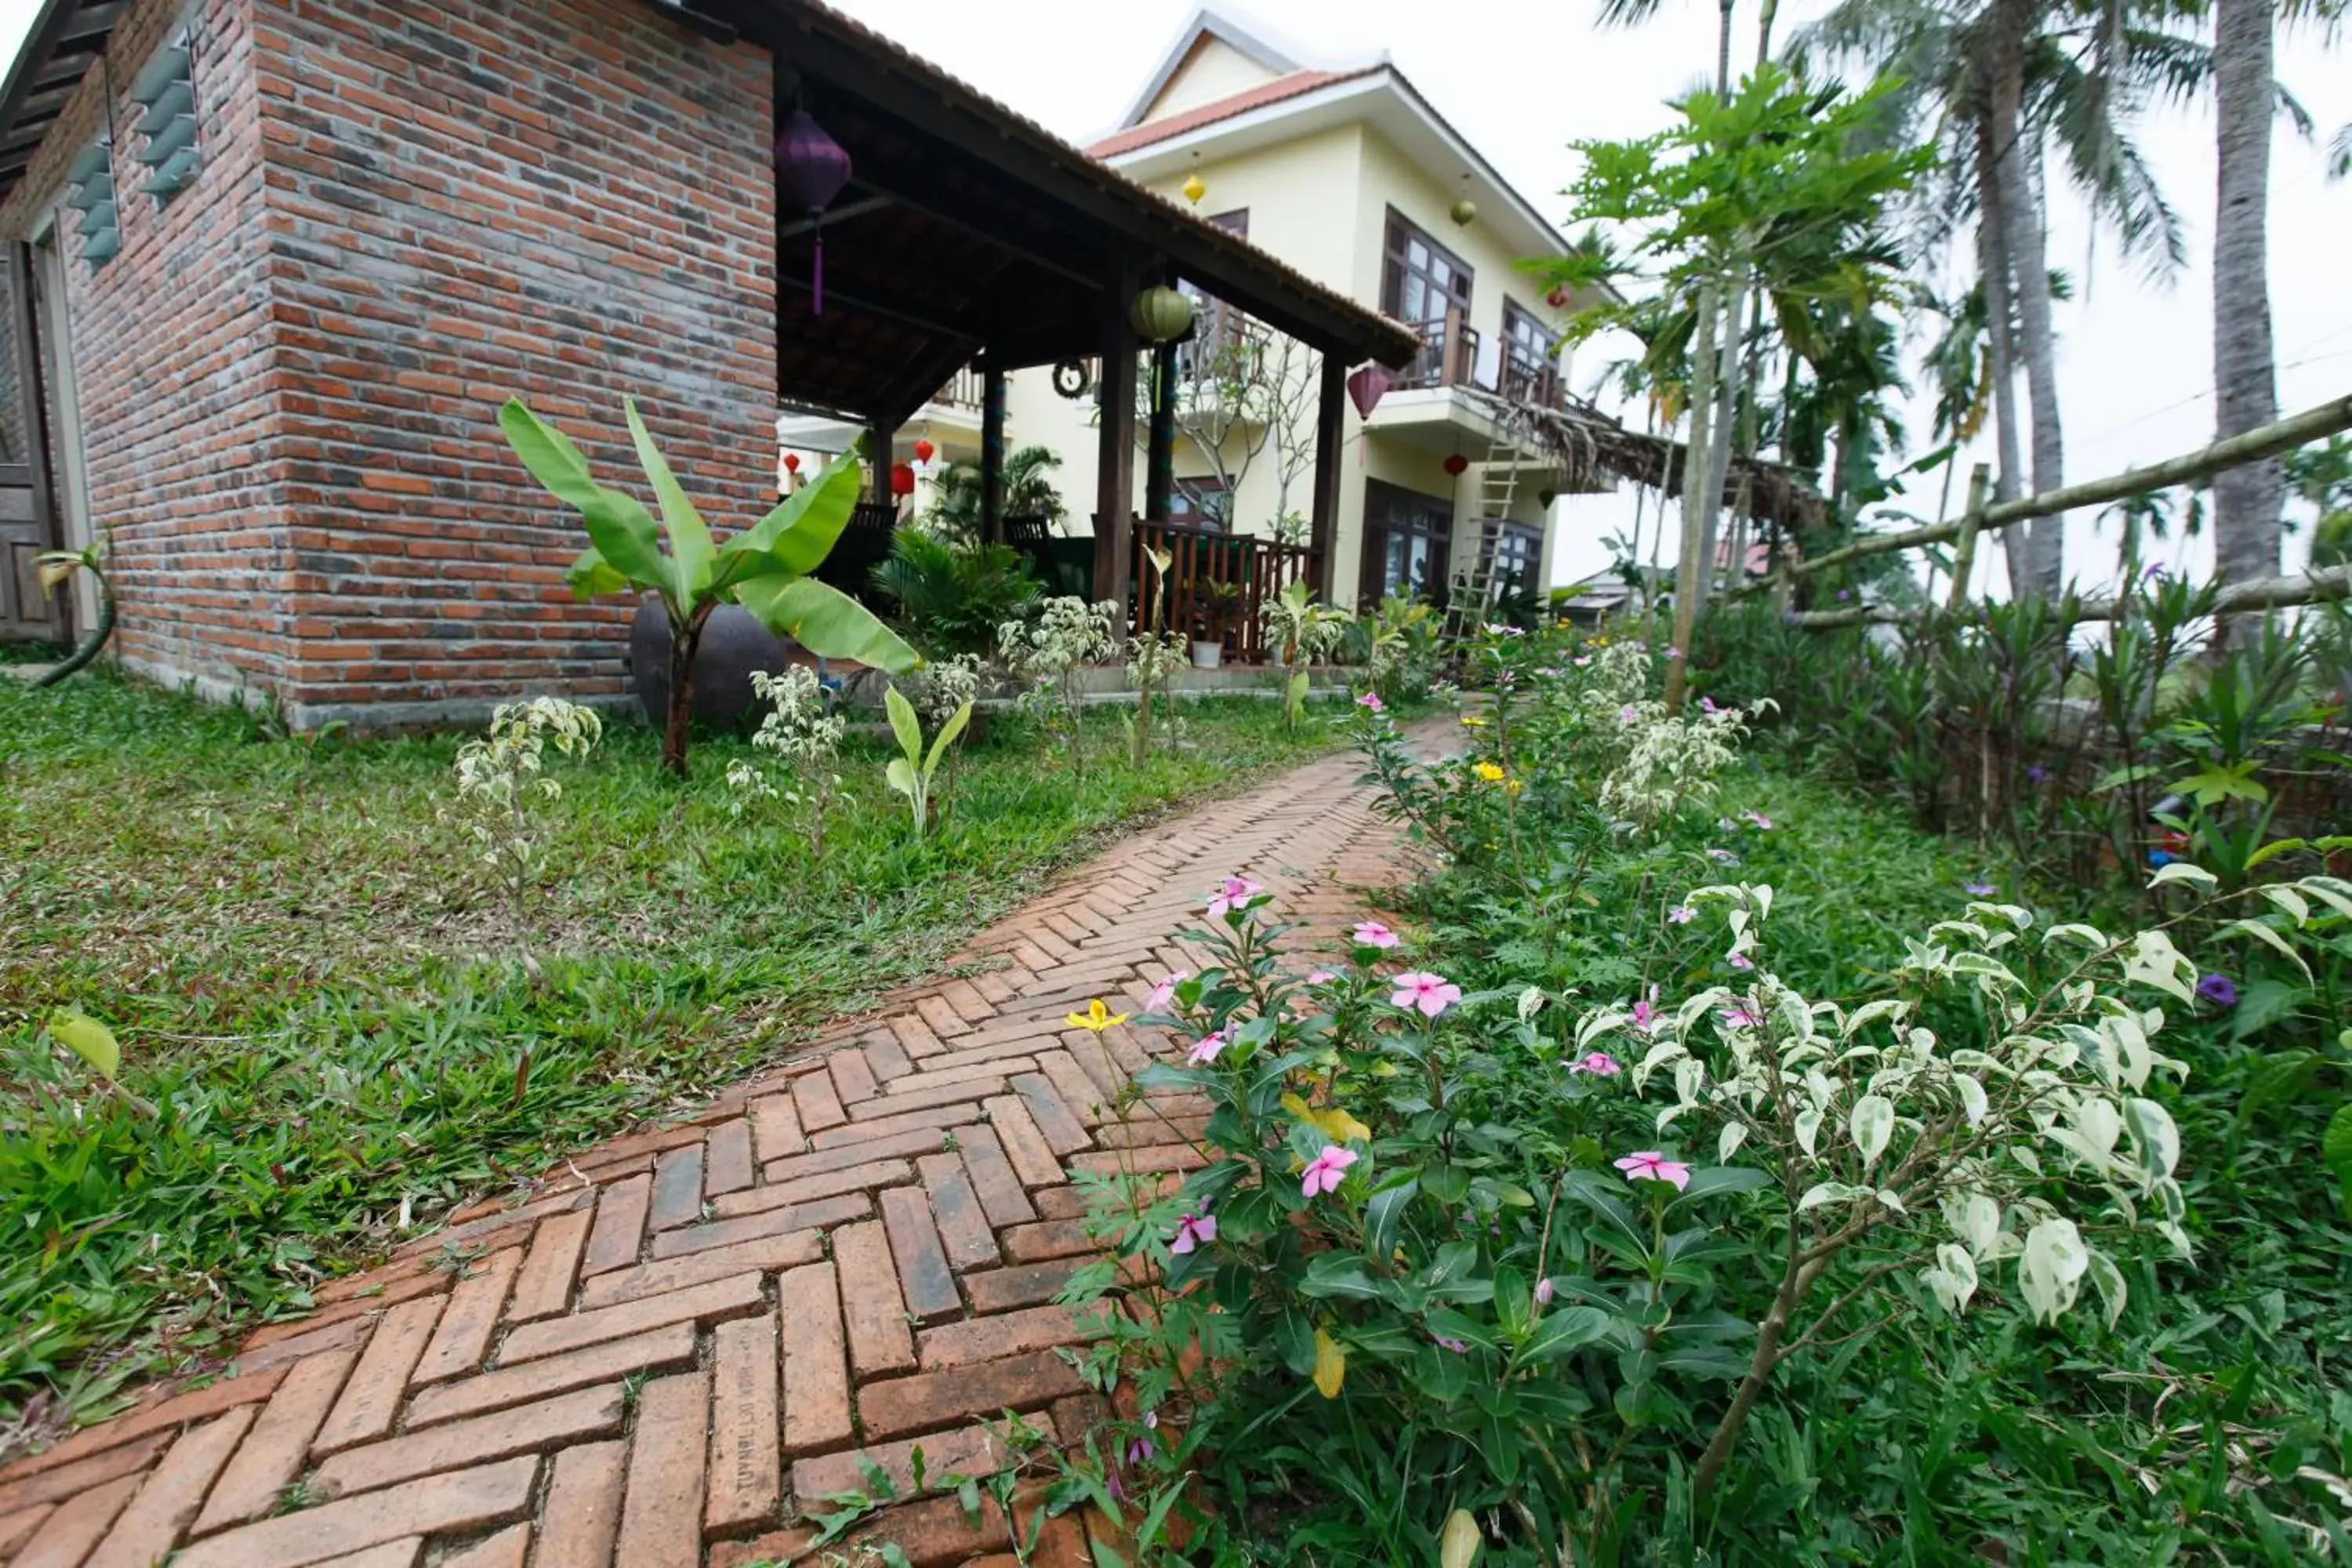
(968, 232)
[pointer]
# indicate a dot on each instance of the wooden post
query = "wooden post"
(882, 437)
(1449, 362)
(1330, 435)
(1964, 553)
(992, 454)
(1114, 467)
(1159, 461)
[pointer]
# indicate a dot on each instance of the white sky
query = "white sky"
(1522, 77)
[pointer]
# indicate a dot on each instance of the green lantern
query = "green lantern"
(1160, 314)
(1466, 212)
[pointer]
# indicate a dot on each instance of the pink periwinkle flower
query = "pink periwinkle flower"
(1646, 1016)
(1706, 705)
(1580, 660)
(1758, 820)
(1681, 915)
(1741, 960)
(1649, 1165)
(1164, 994)
(1192, 1230)
(1673, 653)
(1371, 933)
(1235, 894)
(1370, 702)
(1739, 1018)
(1320, 977)
(1430, 993)
(1600, 1063)
(1459, 1347)
(1324, 1171)
(1544, 1292)
(1205, 1049)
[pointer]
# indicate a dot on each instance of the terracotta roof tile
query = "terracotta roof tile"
(1295, 85)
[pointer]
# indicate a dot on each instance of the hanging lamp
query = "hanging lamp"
(811, 169)
(1366, 387)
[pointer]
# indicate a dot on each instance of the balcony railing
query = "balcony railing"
(1452, 354)
(1255, 568)
(964, 390)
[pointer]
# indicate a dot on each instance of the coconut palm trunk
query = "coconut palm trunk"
(2000, 356)
(2014, 166)
(2246, 501)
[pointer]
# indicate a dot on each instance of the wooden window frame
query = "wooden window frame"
(1424, 516)
(1398, 231)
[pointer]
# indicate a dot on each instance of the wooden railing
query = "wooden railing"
(1257, 567)
(1449, 355)
(964, 389)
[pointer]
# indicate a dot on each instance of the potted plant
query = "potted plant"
(1219, 601)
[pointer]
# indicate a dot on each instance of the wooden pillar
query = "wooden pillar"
(992, 454)
(1114, 467)
(1159, 461)
(882, 437)
(1330, 434)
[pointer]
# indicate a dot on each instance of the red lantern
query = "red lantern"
(792, 462)
(902, 480)
(1558, 297)
(923, 450)
(1365, 388)
(1458, 465)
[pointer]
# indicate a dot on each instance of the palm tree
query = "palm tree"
(1029, 492)
(1991, 82)
(2246, 501)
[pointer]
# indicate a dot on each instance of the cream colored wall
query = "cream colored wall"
(1301, 200)
(1214, 69)
(1321, 204)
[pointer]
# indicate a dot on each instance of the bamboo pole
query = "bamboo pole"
(2233, 598)
(2268, 441)
(1964, 553)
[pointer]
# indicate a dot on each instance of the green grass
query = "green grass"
(326, 998)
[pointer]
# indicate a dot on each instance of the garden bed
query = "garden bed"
(347, 1025)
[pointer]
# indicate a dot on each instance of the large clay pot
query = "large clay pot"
(734, 644)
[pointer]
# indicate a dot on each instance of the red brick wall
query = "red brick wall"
(171, 347)
(407, 214)
(559, 199)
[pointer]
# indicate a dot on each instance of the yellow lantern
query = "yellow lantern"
(1195, 188)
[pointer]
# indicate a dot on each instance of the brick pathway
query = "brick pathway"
(685, 1337)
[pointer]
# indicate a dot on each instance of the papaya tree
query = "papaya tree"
(765, 569)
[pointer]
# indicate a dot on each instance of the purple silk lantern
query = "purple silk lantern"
(1366, 387)
(811, 169)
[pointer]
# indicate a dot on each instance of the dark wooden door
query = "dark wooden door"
(27, 519)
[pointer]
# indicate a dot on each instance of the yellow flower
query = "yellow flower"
(1330, 1366)
(1489, 771)
(1474, 721)
(1332, 1122)
(1514, 788)
(1096, 1017)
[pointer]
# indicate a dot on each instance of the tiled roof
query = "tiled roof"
(1296, 84)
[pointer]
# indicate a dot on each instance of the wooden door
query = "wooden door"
(27, 519)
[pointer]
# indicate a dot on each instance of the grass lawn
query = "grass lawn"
(326, 997)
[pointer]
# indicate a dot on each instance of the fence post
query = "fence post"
(1964, 553)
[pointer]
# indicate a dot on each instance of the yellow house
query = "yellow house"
(1349, 175)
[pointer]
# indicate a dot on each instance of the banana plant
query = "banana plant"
(911, 774)
(57, 568)
(765, 569)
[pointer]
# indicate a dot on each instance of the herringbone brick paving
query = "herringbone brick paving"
(674, 1344)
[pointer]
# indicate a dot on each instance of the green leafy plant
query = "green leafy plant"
(501, 781)
(911, 774)
(766, 568)
(802, 733)
(953, 597)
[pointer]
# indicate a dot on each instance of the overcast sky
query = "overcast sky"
(1520, 79)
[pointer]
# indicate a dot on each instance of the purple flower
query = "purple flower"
(1544, 1292)
(1980, 889)
(1144, 1446)
(2218, 990)
(1681, 915)
(1457, 1346)
(1844, 594)
(2037, 774)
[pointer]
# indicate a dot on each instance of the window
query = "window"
(1217, 328)
(1405, 536)
(166, 90)
(1518, 557)
(1419, 283)
(1528, 348)
(1204, 502)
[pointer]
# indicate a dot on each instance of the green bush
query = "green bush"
(951, 598)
